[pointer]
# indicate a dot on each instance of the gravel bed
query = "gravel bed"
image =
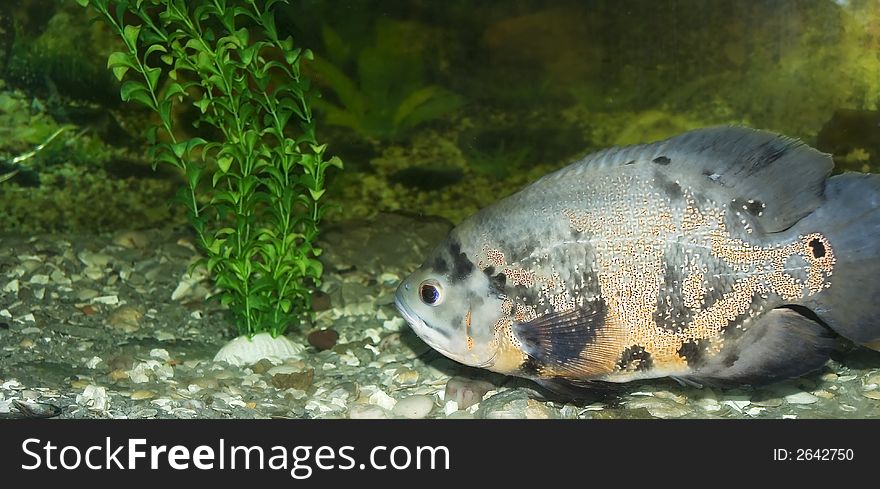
(114, 326)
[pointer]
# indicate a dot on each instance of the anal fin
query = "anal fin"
(781, 344)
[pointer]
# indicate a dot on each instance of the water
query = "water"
(507, 93)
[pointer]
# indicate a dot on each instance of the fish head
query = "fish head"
(451, 305)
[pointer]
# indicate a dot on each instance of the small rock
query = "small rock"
(639, 413)
(96, 260)
(160, 354)
(121, 361)
(830, 377)
(11, 287)
(93, 397)
(466, 392)
(324, 339)
(205, 383)
(297, 380)
(262, 366)
(367, 411)
(126, 319)
(511, 404)
(770, 403)
(321, 301)
(383, 400)
(110, 300)
(132, 239)
(86, 294)
(26, 344)
(118, 374)
(414, 407)
(872, 395)
(284, 369)
(141, 395)
(406, 376)
(40, 280)
(801, 398)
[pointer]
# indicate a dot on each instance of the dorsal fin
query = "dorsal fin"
(783, 175)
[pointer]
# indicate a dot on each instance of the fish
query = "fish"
(723, 256)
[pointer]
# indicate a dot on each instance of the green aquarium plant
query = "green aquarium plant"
(388, 97)
(254, 189)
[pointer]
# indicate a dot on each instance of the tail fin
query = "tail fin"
(850, 219)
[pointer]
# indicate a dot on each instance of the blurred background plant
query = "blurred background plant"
(388, 96)
(255, 182)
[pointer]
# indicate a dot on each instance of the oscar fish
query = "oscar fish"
(722, 256)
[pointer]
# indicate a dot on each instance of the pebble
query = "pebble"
(118, 374)
(132, 239)
(295, 380)
(466, 392)
(26, 344)
(110, 300)
(770, 403)
(321, 302)
(40, 280)
(126, 319)
(94, 397)
(86, 294)
(414, 407)
(282, 369)
(801, 398)
(406, 376)
(510, 404)
(367, 411)
(160, 354)
(141, 395)
(383, 400)
(11, 287)
(323, 339)
(97, 260)
(872, 395)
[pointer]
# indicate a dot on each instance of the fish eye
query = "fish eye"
(430, 292)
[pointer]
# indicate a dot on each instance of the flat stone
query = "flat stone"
(872, 395)
(142, 394)
(297, 380)
(414, 407)
(801, 398)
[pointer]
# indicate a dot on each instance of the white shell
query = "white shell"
(241, 351)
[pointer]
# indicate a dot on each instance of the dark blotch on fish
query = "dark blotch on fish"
(672, 188)
(662, 160)
(461, 266)
(439, 265)
(635, 354)
(497, 282)
(692, 351)
(818, 248)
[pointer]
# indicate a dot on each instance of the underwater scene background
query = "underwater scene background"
(437, 109)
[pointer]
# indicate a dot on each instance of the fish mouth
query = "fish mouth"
(408, 313)
(419, 326)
